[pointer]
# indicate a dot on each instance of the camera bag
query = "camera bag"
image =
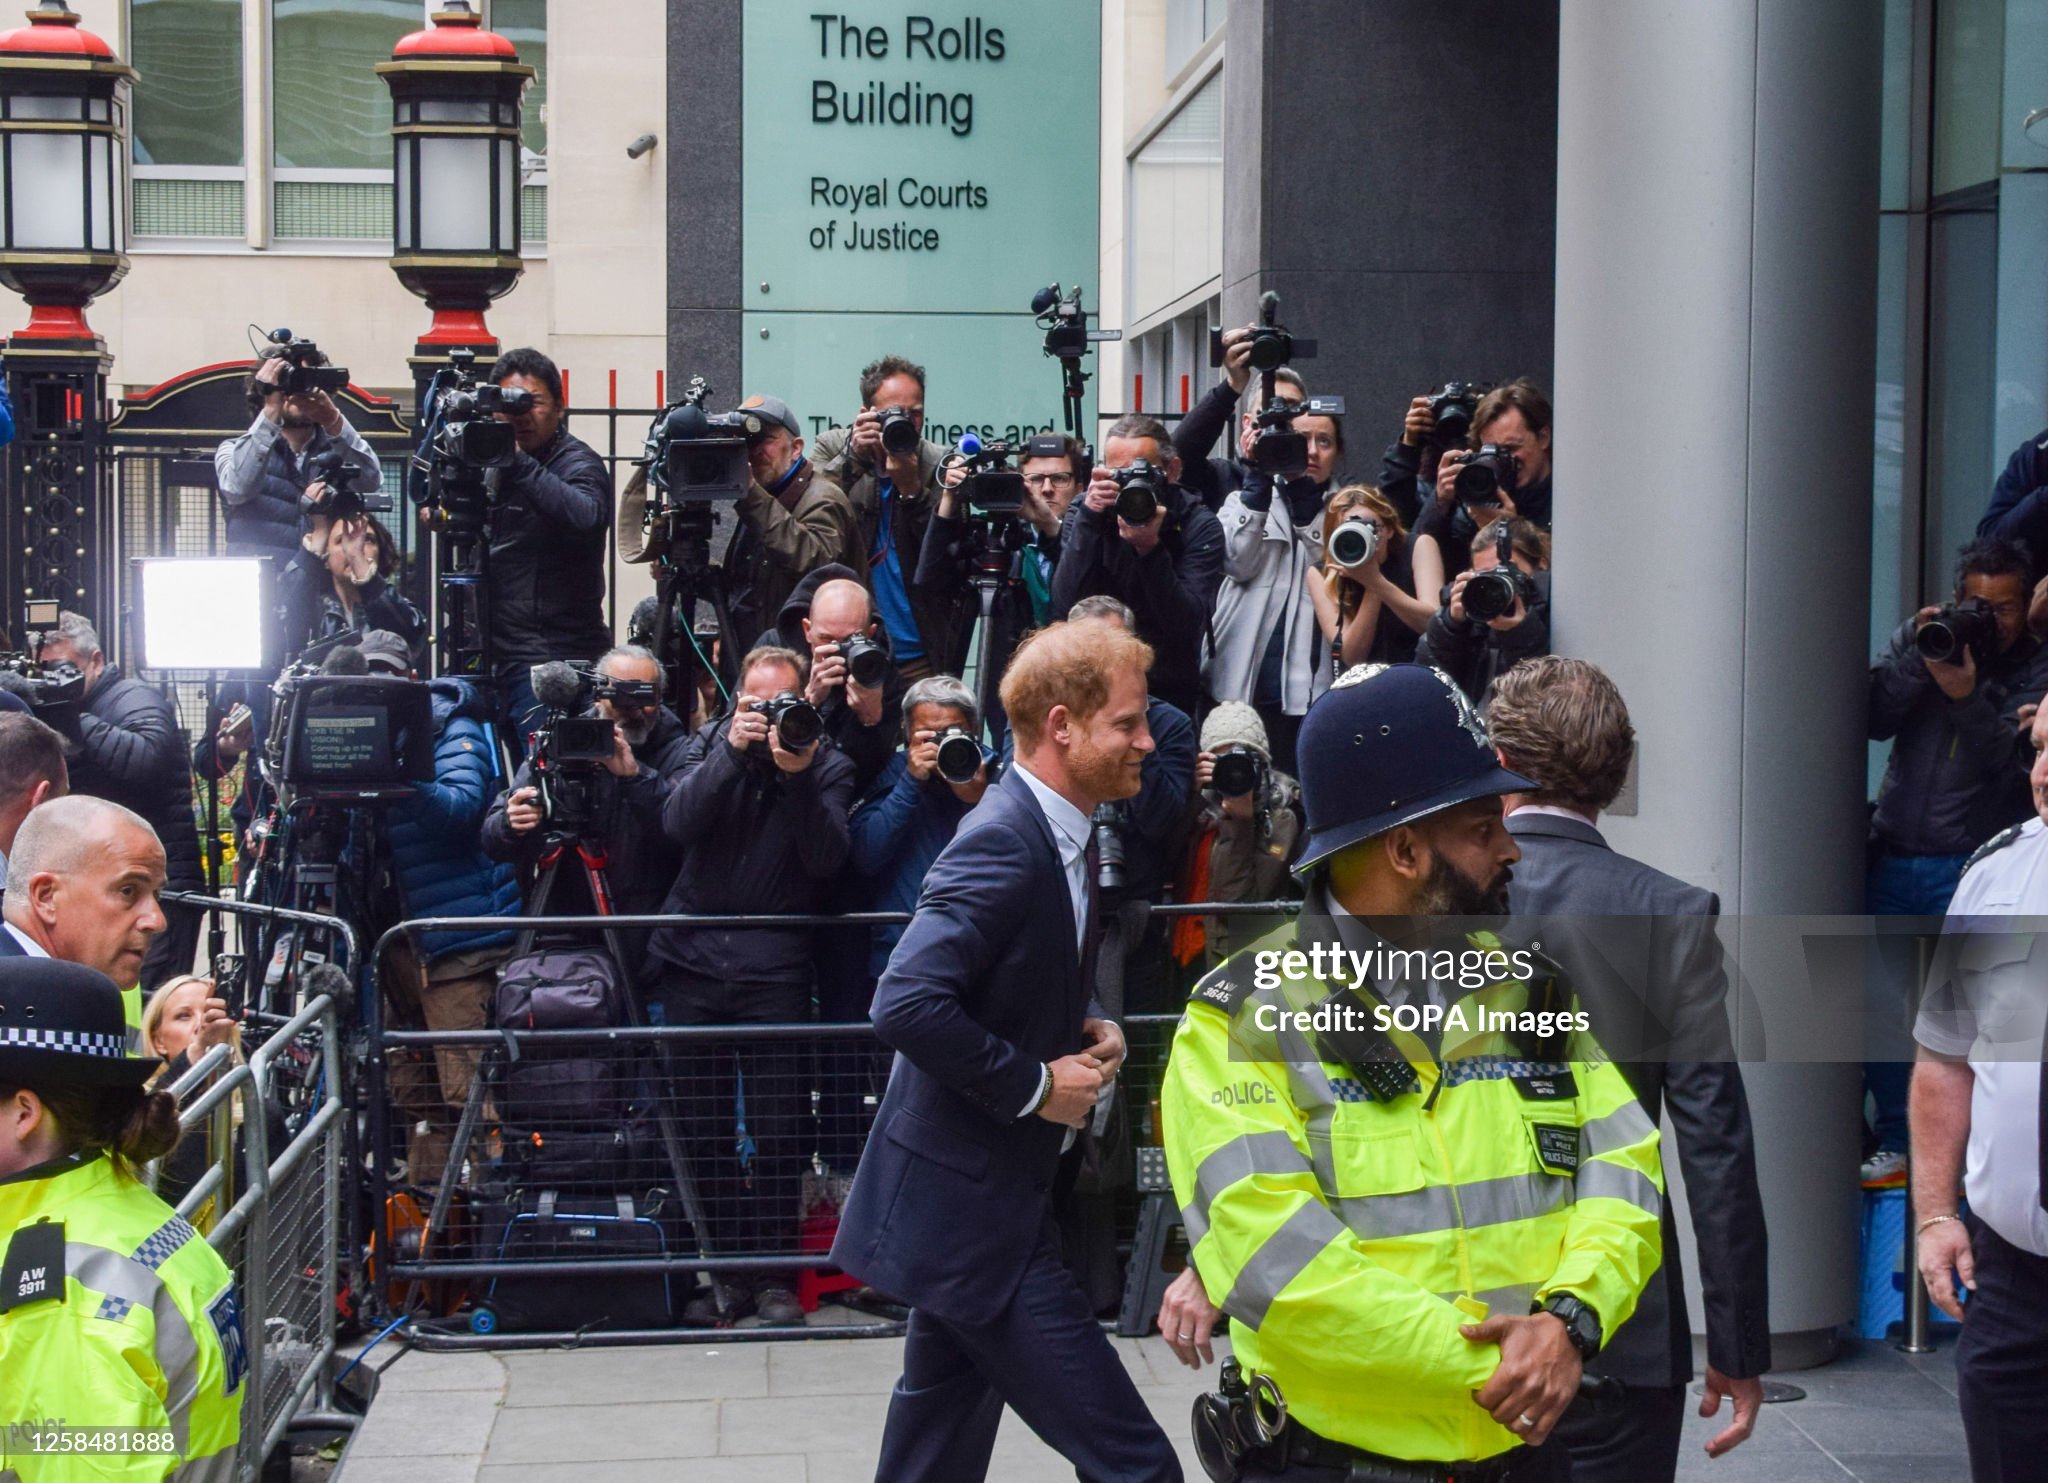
(577, 1086)
(547, 1224)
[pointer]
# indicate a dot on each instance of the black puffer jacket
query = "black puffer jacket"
(131, 752)
(1475, 654)
(754, 839)
(548, 529)
(867, 747)
(643, 863)
(1956, 776)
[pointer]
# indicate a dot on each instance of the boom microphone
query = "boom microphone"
(970, 444)
(558, 686)
(325, 978)
(345, 660)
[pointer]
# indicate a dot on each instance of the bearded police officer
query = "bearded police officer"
(121, 1344)
(1411, 1179)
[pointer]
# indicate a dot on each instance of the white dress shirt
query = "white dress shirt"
(1071, 830)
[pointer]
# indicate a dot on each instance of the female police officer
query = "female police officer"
(120, 1334)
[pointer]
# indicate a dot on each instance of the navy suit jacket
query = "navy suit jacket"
(9, 948)
(1648, 969)
(983, 989)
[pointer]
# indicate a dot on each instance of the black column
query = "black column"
(704, 148)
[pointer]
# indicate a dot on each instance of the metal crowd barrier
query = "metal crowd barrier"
(467, 1246)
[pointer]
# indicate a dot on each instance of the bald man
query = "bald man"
(829, 607)
(32, 772)
(83, 879)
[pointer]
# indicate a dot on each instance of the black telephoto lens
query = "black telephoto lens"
(959, 755)
(1490, 594)
(1476, 483)
(1235, 774)
(795, 718)
(865, 660)
(900, 433)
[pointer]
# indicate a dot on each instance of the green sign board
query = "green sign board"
(912, 176)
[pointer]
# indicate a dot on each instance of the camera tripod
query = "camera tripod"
(594, 861)
(688, 576)
(995, 571)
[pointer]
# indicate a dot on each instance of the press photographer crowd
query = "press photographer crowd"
(917, 749)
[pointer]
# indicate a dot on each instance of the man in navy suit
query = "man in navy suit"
(1001, 1055)
(1641, 950)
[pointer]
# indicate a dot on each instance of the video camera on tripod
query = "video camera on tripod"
(1067, 339)
(463, 440)
(343, 736)
(697, 458)
(570, 749)
(1278, 451)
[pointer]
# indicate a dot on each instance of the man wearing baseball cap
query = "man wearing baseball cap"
(793, 520)
(1407, 1173)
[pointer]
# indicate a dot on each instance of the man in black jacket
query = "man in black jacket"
(1196, 434)
(762, 828)
(1472, 651)
(650, 744)
(550, 511)
(1957, 775)
(1645, 955)
(828, 610)
(1166, 570)
(123, 745)
(1514, 417)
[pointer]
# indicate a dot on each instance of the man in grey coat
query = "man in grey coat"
(1640, 948)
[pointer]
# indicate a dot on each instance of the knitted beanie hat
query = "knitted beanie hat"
(1235, 724)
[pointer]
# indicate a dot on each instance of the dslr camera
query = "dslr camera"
(900, 431)
(1353, 542)
(1237, 773)
(1140, 491)
(696, 457)
(1452, 409)
(1492, 593)
(795, 718)
(1965, 624)
(1487, 475)
(341, 501)
(1278, 451)
(867, 662)
(303, 369)
(1272, 346)
(959, 755)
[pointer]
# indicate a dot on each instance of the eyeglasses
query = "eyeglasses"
(1050, 481)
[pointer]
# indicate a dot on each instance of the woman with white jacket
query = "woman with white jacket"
(1265, 645)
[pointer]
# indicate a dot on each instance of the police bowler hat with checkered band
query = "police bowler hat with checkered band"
(1388, 744)
(61, 1025)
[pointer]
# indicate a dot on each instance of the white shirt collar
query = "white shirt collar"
(1553, 811)
(28, 944)
(1069, 823)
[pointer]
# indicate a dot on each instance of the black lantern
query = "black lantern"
(63, 171)
(455, 91)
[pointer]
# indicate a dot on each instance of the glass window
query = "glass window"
(329, 108)
(1961, 350)
(1176, 204)
(1189, 23)
(524, 23)
(188, 104)
(1969, 44)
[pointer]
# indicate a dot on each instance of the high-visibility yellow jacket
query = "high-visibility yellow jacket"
(1348, 1238)
(147, 1332)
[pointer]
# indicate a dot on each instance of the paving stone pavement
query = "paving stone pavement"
(812, 1411)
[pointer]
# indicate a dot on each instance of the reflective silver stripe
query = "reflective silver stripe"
(1624, 1127)
(1513, 1301)
(1602, 1181)
(1484, 1202)
(177, 1351)
(1282, 1257)
(1254, 1153)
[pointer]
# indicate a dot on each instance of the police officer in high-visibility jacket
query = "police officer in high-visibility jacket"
(121, 1354)
(1407, 1173)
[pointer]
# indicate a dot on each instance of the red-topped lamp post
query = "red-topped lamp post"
(455, 99)
(63, 241)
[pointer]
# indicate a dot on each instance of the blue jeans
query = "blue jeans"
(1902, 886)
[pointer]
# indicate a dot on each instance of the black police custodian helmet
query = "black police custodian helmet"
(61, 1025)
(1388, 744)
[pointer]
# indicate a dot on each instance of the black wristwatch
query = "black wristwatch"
(1581, 1323)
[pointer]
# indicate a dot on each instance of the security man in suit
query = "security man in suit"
(1641, 950)
(1001, 1057)
(114, 1312)
(1407, 1173)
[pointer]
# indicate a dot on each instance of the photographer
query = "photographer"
(2019, 500)
(1200, 428)
(791, 522)
(1515, 420)
(550, 512)
(339, 581)
(1166, 570)
(1245, 820)
(762, 826)
(831, 617)
(442, 980)
(1956, 775)
(1472, 648)
(891, 475)
(1053, 467)
(263, 474)
(648, 756)
(1266, 645)
(123, 745)
(1369, 613)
